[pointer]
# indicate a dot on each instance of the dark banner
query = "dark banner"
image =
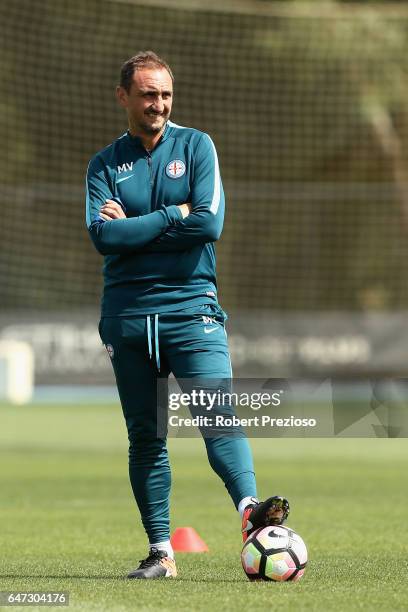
(68, 349)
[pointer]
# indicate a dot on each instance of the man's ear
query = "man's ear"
(122, 96)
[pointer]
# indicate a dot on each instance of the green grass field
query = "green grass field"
(68, 521)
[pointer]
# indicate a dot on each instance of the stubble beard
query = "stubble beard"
(148, 128)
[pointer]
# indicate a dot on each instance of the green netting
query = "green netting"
(309, 113)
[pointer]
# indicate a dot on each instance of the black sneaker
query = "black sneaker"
(273, 511)
(157, 565)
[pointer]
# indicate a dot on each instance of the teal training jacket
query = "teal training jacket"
(156, 261)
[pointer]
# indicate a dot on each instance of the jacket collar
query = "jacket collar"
(136, 141)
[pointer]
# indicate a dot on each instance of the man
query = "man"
(155, 206)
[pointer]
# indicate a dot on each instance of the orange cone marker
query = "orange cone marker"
(186, 539)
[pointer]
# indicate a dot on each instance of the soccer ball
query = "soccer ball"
(274, 553)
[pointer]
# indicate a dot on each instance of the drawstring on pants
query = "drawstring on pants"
(156, 338)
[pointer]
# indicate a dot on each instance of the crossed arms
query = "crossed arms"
(171, 228)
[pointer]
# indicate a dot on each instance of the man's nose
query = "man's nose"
(158, 105)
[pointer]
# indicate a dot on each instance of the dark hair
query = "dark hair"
(143, 59)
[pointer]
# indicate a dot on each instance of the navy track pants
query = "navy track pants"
(143, 348)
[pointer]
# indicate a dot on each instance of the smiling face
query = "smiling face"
(148, 102)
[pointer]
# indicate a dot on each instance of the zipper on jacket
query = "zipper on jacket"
(150, 164)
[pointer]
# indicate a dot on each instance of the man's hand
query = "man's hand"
(185, 209)
(111, 210)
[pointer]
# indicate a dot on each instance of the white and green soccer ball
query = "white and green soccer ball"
(274, 553)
